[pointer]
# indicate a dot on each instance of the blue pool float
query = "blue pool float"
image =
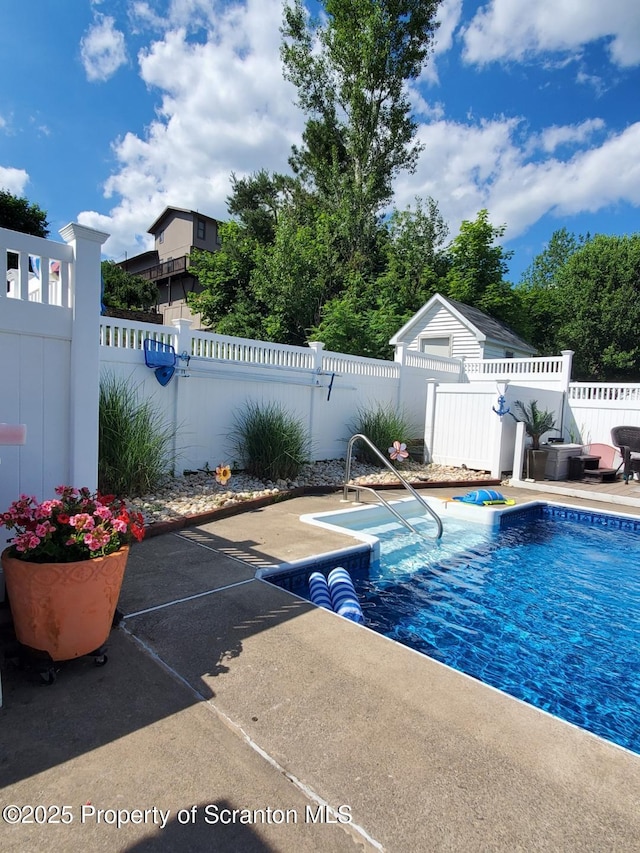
(319, 590)
(343, 595)
(485, 497)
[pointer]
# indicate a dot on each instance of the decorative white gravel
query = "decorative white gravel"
(197, 493)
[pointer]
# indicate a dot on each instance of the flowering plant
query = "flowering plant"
(399, 451)
(223, 474)
(75, 526)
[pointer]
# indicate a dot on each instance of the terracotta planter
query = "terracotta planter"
(64, 609)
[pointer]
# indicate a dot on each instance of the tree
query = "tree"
(477, 269)
(369, 311)
(598, 305)
(258, 200)
(351, 71)
(294, 276)
(123, 290)
(228, 302)
(19, 214)
(539, 291)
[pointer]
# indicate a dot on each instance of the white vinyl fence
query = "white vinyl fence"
(49, 349)
(218, 376)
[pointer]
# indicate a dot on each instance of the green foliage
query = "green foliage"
(536, 423)
(478, 264)
(272, 443)
(257, 202)
(538, 291)
(382, 425)
(599, 308)
(293, 276)
(123, 290)
(582, 294)
(19, 214)
(228, 303)
(371, 308)
(135, 450)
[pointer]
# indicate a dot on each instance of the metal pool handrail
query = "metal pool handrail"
(347, 475)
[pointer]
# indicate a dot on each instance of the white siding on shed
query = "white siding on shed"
(440, 323)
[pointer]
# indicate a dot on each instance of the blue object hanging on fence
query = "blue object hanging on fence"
(161, 358)
(502, 409)
(319, 590)
(344, 598)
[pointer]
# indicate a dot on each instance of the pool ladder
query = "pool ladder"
(347, 476)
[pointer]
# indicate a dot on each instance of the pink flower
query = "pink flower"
(398, 451)
(96, 540)
(102, 512)
(46, 508)
(82, 521)
(25, 541)
(43, 529)
(119, 525)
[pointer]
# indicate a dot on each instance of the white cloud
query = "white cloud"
(448, 17)
(564, 135)
(13, 180)
(102, 49)
(504, 29)
(224, 107)
(470, 167)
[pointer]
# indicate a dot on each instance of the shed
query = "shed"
(452, 329)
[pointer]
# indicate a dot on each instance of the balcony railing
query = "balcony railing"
(166, 268)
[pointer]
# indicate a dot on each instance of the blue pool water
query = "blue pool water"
(546, 610)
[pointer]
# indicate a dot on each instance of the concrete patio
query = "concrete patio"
(223, 692)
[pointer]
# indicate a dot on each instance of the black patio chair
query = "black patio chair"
(627, 440)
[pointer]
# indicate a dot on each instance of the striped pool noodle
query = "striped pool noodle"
(319, 590)
(343, 595)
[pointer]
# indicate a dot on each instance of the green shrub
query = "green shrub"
(272, 443)
(135, 451)
(382, 425)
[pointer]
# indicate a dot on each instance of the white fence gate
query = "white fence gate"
(49, 349)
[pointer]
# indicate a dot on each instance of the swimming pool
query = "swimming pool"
(542, 603)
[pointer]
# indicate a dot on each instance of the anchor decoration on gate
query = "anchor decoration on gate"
(502, 409)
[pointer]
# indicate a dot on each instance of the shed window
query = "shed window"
(436, 346)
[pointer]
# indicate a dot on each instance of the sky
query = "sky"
(111, 110)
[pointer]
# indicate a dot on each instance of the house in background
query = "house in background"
(452, 329)
(175, 232)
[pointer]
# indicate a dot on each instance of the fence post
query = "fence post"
(429, 420)
(84, 397)
(317, 348)
(181, 398)
(496, 448)
(183, 337)
(399, 358)
(518, 454)
(567, 360)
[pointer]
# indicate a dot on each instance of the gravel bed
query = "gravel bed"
(198, 492)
